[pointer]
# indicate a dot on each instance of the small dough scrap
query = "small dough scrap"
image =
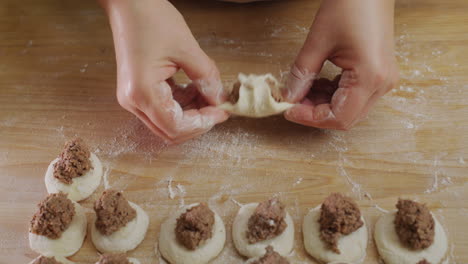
(69, 242)
(176, 253)
(256, 97)
(117, 259)
(393, 251)
(50, 260)
(283, 243)
(81, 187)
(125, 238)
(352, 247)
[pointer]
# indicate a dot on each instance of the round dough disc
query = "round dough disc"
(126, 238)
(255, 97)
(283, 243)
(59, 259)
(69, 242)
(393, 251)
(352, 247)
(175, 253)
(81, 187)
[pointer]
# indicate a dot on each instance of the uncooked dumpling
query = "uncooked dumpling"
(410, 235)
(352, 246)
(254, 96)
(203, 252)
(119, 225)
(281, 243)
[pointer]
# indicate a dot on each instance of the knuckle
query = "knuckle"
(128, 95)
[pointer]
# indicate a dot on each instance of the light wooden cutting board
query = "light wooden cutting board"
(57, 80)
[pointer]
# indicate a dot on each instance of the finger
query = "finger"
(167, 115)
(307, 66)
(346, 106)
(390, 83)
(203, 72)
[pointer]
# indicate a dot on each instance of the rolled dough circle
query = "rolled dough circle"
(59, 259)
(69, 242)
(352, 247)
(126, 238)
(393, 251)
(283, 243)
(175, 253)
(81, 187)
(134, 260)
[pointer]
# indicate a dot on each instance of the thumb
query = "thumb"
(307, 66)
(204, 74)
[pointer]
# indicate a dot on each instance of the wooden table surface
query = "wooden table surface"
(57, 81)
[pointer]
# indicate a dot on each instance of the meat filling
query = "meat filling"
(73, 161)
(414, 225)
(268, 221)
(339, 215)
(113, 212)
(271, 257)
(53, 217)
(195, 226)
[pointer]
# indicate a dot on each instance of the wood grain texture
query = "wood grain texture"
(57, 80)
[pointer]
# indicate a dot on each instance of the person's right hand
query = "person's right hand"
(357, 36)
(152, 42)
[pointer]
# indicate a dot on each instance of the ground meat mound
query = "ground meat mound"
(195, 226)
(424, 261)
(45, 260)
(113, 259)
(339, 215)
(113, 212)
(271, 257)
(267, 221)
(53, 217)
(414, 225)
(73, 161)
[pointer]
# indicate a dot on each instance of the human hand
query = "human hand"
(152, 42)
(357, 36)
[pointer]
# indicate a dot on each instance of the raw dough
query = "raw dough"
(283, 243)
(69, 242)
(131, 260)
(134, 260)
(352, 246)
(59, 259)
(82, 187)
(393, 251)
(175, 253)
(255, 97)
(126, 238)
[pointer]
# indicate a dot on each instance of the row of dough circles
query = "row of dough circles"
(333, 232)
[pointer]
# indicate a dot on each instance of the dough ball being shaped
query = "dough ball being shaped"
(60, 260)
(175, 253)
(68, 243)
(81, 187)
(352, 247)
(283, 243)
(125, 238)
(393, 251)
(255, 97)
